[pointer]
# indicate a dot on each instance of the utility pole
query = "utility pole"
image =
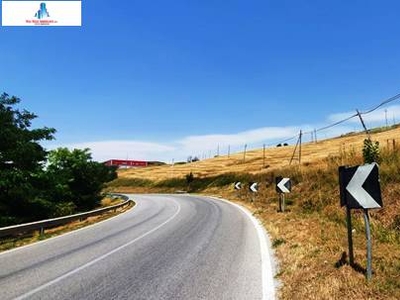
(363, 124)
(298, 144)
(301, 134)
(315, 135)
(244, 152)
(263, 155)
(386, 118)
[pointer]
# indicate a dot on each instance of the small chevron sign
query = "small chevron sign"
(238, 185)
(360, 187)
(253, 187)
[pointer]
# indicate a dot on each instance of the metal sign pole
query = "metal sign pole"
(283, 202)
(350, 236)
(279, 203)
(369, 244)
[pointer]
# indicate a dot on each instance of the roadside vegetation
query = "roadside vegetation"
(38, 184)
(310, 237)
(23, 239)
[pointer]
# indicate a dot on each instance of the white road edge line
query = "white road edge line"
(90, 263)
(266, 265)
(67, 233)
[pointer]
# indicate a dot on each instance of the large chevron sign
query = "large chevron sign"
(283, 185)
(359, 186)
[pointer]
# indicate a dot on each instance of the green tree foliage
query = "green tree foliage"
(371, 151)
(78, 180)
(36, 184)
(21, 162)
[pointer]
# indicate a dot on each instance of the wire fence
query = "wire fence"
(355, 115)
(313, 132)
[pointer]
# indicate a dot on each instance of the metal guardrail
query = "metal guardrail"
(41, 225)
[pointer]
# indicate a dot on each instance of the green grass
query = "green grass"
(277, 242)
(136, 182)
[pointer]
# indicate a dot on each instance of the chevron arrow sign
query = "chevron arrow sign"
(284, 185)
(253, 187)
(238, 185)
(359, 186)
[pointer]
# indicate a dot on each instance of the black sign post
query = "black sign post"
(360, 189)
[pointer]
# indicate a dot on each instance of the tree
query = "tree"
(78, 180)
(189, 179)
(21, 162)
(191, 159)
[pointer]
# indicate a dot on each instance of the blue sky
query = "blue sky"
(160, 80)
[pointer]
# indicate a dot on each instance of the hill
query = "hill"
(310, 237)
(275, 157)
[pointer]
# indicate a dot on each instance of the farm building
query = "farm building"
(126, 163)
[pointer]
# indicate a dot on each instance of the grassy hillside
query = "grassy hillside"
(310, 238)
(275, 158)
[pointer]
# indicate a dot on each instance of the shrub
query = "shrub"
(371, 151)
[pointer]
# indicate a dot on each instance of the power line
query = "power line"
(391, 99)
(382, 104)
(396, 97)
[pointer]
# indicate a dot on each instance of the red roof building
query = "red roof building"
(126, 163)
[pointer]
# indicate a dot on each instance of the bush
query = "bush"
(371, 151)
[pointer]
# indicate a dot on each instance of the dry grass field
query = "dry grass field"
(275, 158)
(310, 237)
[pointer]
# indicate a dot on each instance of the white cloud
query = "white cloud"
(105, 150)
(378, 116)
(333, 118)
(181, 149)
(206, 145)
(383, 114)
(194, 144)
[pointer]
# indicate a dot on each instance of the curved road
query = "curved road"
(167, 247)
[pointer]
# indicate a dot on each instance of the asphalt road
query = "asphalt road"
(167, 247)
